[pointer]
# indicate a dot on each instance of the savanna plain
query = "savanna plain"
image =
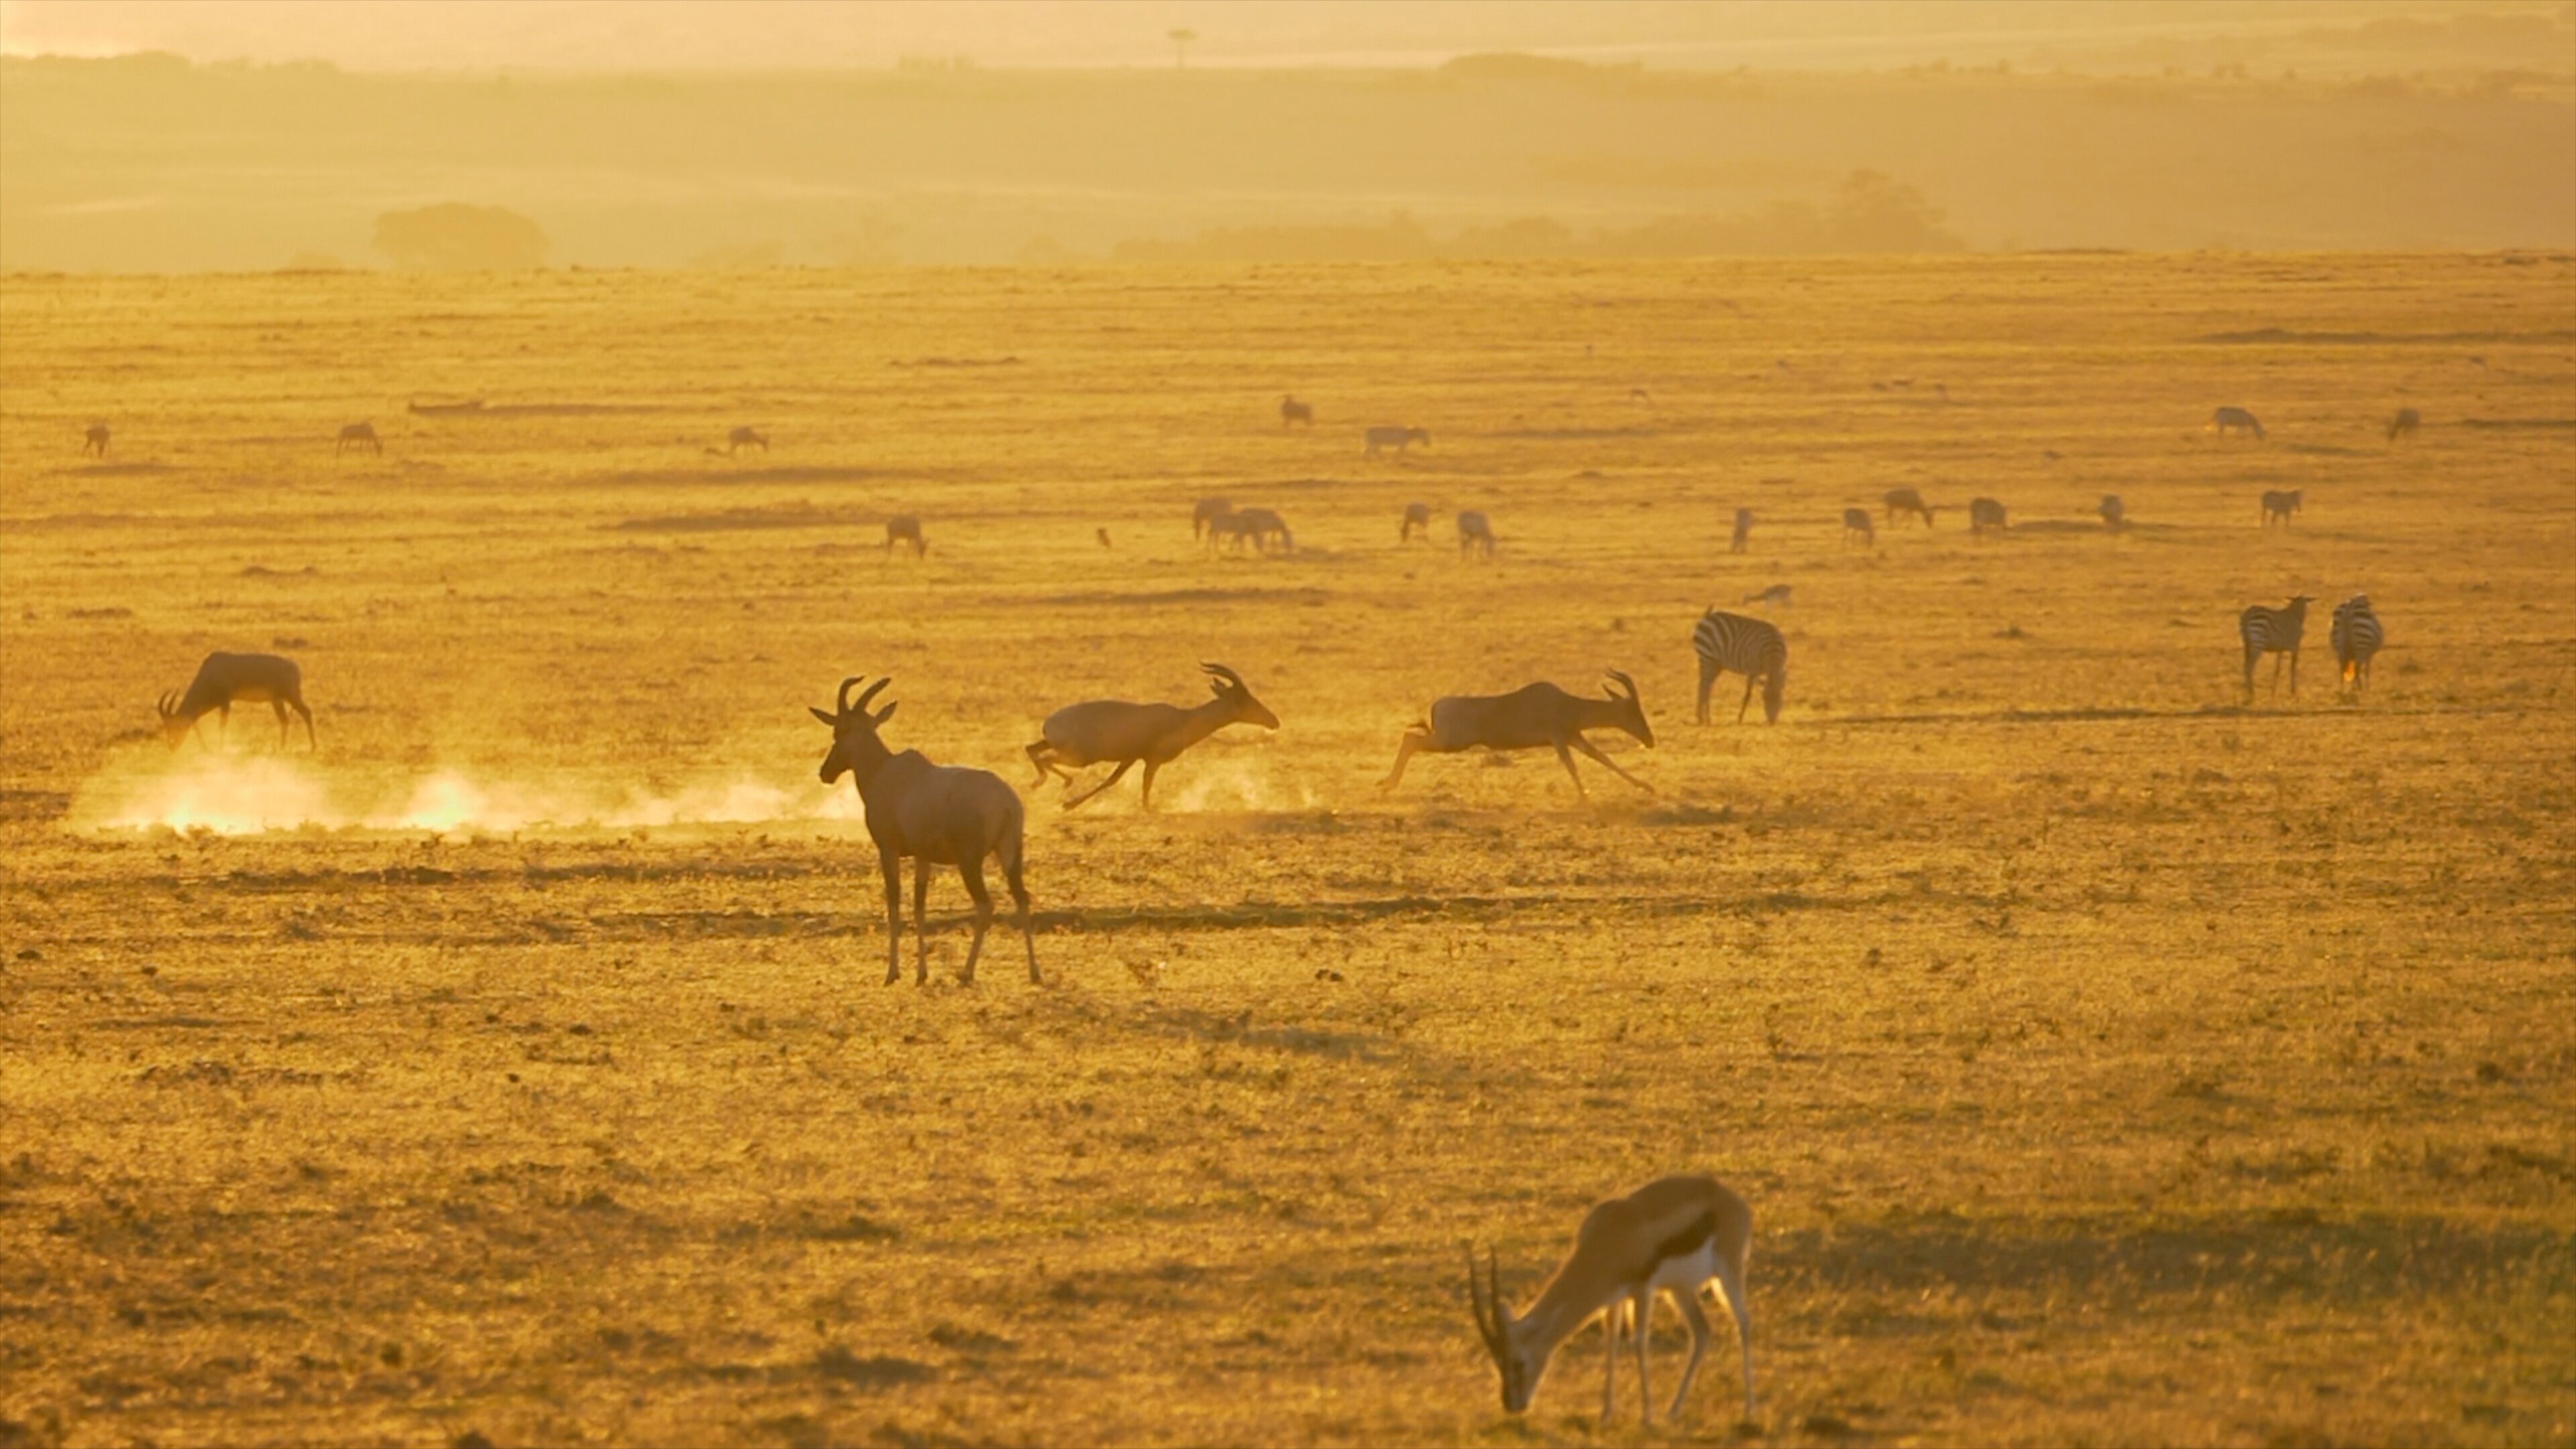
(2108, 1058)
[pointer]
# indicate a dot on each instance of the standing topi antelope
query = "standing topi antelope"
(1099, 731)
(1417, 518)
(2114, 513)
(2404, 424)
(1751, 648)
(2273, 631)
(1206, 511)
(1856, 520)
(905, 528)
(2356, 636)
(741, 438)
(1530, 717)
(1906, 500)
(1475, 534)
(1673, 1237)
(1985, 513)
(225, 680)
(1743, 530)
(1293, 411)
(933, 815)
(94, 440)
(359, 435)
(1397, 438)
(2280, 505)
(2234, 420)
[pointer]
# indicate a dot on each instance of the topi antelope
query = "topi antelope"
(1906, 500)
(94, 440)
(1397, 438)
(1265, 527)
(1985, 513)
(2404, 424)
(1206, 511)
(1417, 518)
(1856, 520)
(1099, 731)
(2115, 514)
(1673, 1237)
(1743, 530)
(1475, 533)
(225, 680)
(741, 438)
(2280, 505)
(905, 528)
(2234, 420)
(359, 435)
(1531, 717)
(934, 814)
(1293, 411)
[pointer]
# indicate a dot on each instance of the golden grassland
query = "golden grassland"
(2107, 1061)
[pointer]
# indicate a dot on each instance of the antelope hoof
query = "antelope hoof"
(893, 976)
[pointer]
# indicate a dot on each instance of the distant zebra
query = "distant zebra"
(2234, 420)
(1397, 438)
(2277, 504)
(95, 440)
(1743, 530)
(1906, 500)
(741, 438)
(1856, 520)
(2356, 636)
(1293, 411)
(1231, 531)
(1417, 516)
(2404, 424)
(2273, 631)
(1984, 513)
(1751, 648)
(359, 435)
(1475, 534)
(905, 528)
(1207, 511)
(2115, 514)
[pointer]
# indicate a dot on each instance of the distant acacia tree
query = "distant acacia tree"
(454, 237)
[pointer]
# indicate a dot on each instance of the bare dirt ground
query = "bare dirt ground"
(2107, 1060)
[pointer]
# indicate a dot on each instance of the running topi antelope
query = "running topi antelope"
(1906, 500)
(1672, 1238)
(933, 815)
(2404, 424)
(1984, 513)
(905, 528)
(1293, 411)
(741, 438)
(94, 440)
(2273, 631)
(2279, 504)
(2234, 420)
(1743, 530)
(1532, 717)
(1099, 731)
(1206, 511)
(1856, 520)
(359, 435)
(1475, 534)
(1417, 518)
(225, 680)
(1397, 438)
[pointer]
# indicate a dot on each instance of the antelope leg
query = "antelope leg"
(1413, 739)
(972, 872)
(1114, 777)
(1150, 767)
(1568, 761)
(1700, 1334)
(920, 921)
(891, 865)
(1587, 747)
(1645, 1325)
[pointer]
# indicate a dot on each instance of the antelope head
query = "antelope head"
(1227, 685)
(174, 725)
(1632, 716)
(855, 746)
(1494, 1323)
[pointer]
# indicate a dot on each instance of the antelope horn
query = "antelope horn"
(1624, 682)
(168, 703)
(1476, 1300)
(1494, 1294)
(1219, 671)
(873, 690)
(841, 704)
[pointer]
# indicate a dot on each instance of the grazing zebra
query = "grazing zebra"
(741, 438)
(359, 435)
(2115, 514)
(95, 440)
(2273, 631)
(905, 528)
(2277, 504)
(1856, 520)
(1984, 513)
(2356, 636)
(1416, 516)
(1906, 500)
(1475, 534)
(2404, 424)
(1743, 530)
(1397, 438)
(2234, 420)
(1751, 648)
(1206, 511)
(1293, 411)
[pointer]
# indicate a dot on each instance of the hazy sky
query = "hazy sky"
(763, 34)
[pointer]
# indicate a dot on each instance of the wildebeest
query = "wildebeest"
(1397, 438)
(225, 680)
(2234, 420)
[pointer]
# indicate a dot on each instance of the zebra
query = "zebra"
(2404, 424)
(1293, 411)
(905, 528)
(2234, 420)
(1751, 648)
(2273, 631)
(1397, 438)
(1984, 513)
(1907, 500)
(1416, 516)
(2115, 514)
(1475, 533)
(1856, 520)
(1743, 530)
(94, 440)
(2277, 504)
(2356, 636)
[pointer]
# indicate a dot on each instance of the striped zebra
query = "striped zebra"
(1856, 520)
(2356, 636)
(2273, 631)
(1751, 648)
(2280, 505)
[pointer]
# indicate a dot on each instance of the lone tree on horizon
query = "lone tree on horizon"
(1181, 47)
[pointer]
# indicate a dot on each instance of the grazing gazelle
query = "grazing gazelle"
(2404, 424)
(1985, 513)
(1906, 500)
(2273, 631)
(1856, 520)
(1743, 530)
(359, 435)
(933, 814)
(741, 438)
(2115, 514)
(225, 680)
(2280, 504)
(1099, 731)
(1293, 411)
(1265, 527)
(2234, 420)
(1397, 438)
(1531, 717)
(905, 528)
(1675, 1236)
(1417, 518)
(1475, 534)
(94, 440)
(1206, 511)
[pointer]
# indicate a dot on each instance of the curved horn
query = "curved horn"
(1624, 682)
(841, 702)
(873, 690)
(1219, 671)
(1494, 1293)
(1485, 1327)
(168, 704)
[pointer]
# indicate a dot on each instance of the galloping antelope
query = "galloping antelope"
(1743, 530)
(1207, 510)
(2356, 636)
(741, 438)
(1906, 500)
(1293, 411)
(359, 435)
(905, 528)
(1397, 438)
(1475, 533)
(1528, 718)
(1856, 520)
(934, 814)
(1984, 513)
(2234, 420)
(225, 680)
(1751, 648)
(1417, 516)
(2273, 631)
(2115, 514)
(1099, 731)
(1264, 526)
(1673, 1237)
(2280, 505)
(94, 440)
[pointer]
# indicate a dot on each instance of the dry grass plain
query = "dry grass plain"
(2106, 1062)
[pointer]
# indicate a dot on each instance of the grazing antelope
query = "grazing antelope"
(94, 440)
(934, 814)
(2234, 420)
(1776, 594)
(1475, 533)
(741, 438)
(2115, 514)
(2404, 424)
(359, 435)
(2273, 631)
(1206, 510)
(225, 680)
(905, 528)
(1397, 438)
(1293, 411)
(1263, 527)
(1906, 500)
(1984, 513)
(1751, 648)
(1856, 520)
(2356, 636)
(1099, 731)
(2280, 505)
(1417, 517)
(1673, 1237)
(1528, 718)
(1743, 530)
